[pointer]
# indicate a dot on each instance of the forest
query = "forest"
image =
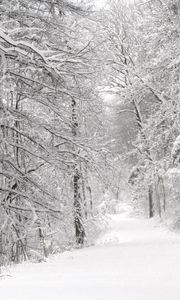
(89, 116)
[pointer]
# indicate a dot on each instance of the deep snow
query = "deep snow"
(133, 260)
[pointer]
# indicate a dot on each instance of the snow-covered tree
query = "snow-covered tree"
(48, 98)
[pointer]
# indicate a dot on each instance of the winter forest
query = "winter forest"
(89, 117)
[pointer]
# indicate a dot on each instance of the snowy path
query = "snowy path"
(133, 261)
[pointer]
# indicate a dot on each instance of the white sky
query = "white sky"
(100, 3)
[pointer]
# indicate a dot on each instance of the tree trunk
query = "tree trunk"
(79, 228)
(41, 241)
(150, 198)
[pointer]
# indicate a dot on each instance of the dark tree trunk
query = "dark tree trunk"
(150, 198)
(79, 228)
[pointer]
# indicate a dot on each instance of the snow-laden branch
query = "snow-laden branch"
(21, 45)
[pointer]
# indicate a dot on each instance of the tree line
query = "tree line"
(89, 108)
(51, 130)
(144, 67)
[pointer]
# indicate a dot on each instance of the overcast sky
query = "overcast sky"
(100, 3)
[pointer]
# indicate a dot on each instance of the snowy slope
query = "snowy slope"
(133, 260)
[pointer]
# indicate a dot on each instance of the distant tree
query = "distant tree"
(143, 71)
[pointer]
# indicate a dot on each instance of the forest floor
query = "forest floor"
(135, 259)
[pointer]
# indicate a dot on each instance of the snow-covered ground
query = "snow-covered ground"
(133, 260)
